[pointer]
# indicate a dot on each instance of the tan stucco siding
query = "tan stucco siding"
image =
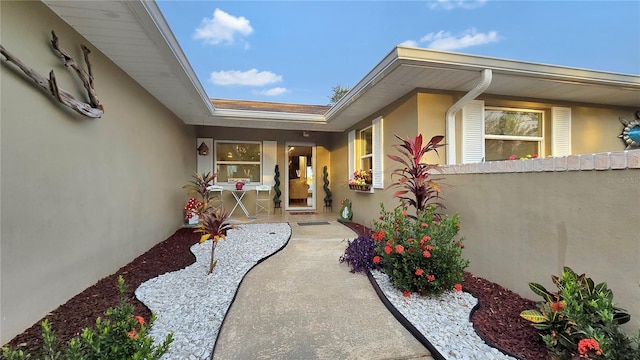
(432, 121)
(524, 227)
(398, 118)
(80, 197)
(595, 130)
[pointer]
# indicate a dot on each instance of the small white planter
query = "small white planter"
(193, 220)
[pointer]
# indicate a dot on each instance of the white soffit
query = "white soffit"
(135, 36)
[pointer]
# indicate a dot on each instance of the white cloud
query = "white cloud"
(453, 4)
(222, 28)
(443, 40)
(271, 92)
(251, 77)
(410, 43)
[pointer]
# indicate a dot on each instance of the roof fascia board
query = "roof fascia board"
(422, 57)
(387, 63)
(269, 115)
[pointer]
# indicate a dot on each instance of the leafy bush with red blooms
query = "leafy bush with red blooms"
(418, 190)
(361, 254)
(420, 255)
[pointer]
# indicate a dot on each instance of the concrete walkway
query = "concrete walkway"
(303, 304)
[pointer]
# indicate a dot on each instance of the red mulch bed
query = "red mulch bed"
(496, 319)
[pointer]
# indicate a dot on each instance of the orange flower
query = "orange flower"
(588, 344)
(376, 259)
(425, 239)
(387, 249)
(557, 306)
(410, 239)
(430, 277)
(458, 287)
(132, 334)
(424, 224)
(378, 236)
(404, 212)
(429, 247)
(139, 319)
(406, 293)
(419, 272)
(426, 254)
(399, 249)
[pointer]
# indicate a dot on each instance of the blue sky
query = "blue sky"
(296, 51)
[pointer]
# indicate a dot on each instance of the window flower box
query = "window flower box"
(365, 187)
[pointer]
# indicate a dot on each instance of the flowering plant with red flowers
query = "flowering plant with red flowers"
(580, 319)
(419, 254)
(193, 209)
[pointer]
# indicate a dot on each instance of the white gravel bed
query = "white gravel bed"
(443, 320)
(191, 304)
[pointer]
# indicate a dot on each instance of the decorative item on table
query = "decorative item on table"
(239, 185)
(192, 209)
(361, 180)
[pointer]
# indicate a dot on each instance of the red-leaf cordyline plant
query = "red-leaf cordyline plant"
(414, 178)
(213, 226)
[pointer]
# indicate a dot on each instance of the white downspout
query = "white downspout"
(483, 84)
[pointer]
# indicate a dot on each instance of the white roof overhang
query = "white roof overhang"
(406, 69)
(135, 36)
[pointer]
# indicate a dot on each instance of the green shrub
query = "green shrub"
(580, 319)
(120, 335)
(420, 254)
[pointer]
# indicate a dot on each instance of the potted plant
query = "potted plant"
(325, 186)
(276, 188)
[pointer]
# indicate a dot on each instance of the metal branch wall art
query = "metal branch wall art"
(631, 132)
(92, 109)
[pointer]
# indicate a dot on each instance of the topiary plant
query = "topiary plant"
(325, 186)
(276, 187)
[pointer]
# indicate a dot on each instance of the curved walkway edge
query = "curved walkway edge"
(301, 303)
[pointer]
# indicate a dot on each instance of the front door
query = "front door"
(300, 188)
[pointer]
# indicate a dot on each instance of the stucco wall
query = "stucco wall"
(524, 226)
(80, 197)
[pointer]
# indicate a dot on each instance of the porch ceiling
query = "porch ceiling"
(135, 36)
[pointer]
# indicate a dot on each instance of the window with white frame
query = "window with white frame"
(512, 133)
(366, 149)
(238, 161)
(365, 152)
